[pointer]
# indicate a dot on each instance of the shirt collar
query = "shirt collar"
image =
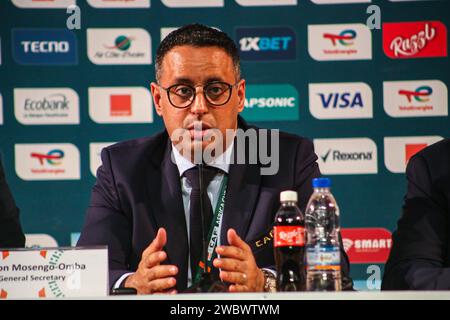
(221, 162)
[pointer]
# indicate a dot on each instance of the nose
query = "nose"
(200, 105)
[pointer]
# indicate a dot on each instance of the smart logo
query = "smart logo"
(44, 47)
(271, 102)
(340, 100)
(262, 44)
(344, 38)
(51, 157)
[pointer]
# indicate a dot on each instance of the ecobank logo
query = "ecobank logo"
(95, 160)
(347, 156)
(46, 106)
(339, 42)
(119, 46)
(271, 102)
(422, 39)
(44, 47)
(123, 4)
(262, 44)
(120, 105)
(39, 4)
(47, 161)
(398, 150)
(425, 98)
(340, 100)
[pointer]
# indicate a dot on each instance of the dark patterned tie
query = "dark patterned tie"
(195, 221)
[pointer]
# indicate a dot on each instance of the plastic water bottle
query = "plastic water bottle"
(323, 271)
(289, 244)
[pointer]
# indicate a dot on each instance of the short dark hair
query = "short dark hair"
(197, 35)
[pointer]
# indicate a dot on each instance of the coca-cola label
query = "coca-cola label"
(285, 236)
(415, 39)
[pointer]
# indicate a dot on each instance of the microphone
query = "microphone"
(206, 283)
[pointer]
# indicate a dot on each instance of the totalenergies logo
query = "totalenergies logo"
(344, 38)
(421, 94)
(122, 43)
(51, 157)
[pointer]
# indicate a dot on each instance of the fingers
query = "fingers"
(157, 244)
(153, 259)
(162, 285)
(235, 240)
(238, 278)
(230, 264)
(160, 272)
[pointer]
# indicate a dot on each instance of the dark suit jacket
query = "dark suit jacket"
(138, 190)
(420, 256)
(11, 234)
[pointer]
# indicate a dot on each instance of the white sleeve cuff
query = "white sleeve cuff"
(121, 279)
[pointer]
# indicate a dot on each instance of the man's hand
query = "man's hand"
(239, 266)
(152, 277)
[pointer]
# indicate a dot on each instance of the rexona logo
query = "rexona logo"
(95, 149)
(421, 39)
(46, 4)
(54, 161)
(252, 3)
(340, 100)
(271, 102)
(262, 44)
(120, 105)
(426, 98)
(119, 46)
(347, 156)
(1, 109)
(340, 1)
(46, 106)
(193, 3)
(398, 150)
(44, 47)
(339, 42)
(367, 245)
(124, 4)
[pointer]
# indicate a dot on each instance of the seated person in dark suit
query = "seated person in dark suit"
(143, 203)
(11, 234)
(420, 256)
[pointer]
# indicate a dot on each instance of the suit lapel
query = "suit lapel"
(168, 210)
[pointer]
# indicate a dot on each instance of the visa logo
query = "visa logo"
(265, 43)
(341, 100)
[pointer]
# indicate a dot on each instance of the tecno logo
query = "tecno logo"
(271, 102)
(33, 4)
(339, 42)
(367, 245)
(44, 46)
(347, 156)
(258, 44)
(123, 4)
(95, 149)
(47, 161)
(119, 46)
(398, 150)
(423, 98)
(340, 100)
(44, 106)
(120, 105)
(421, 39)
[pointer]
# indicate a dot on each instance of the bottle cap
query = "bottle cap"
(288, 196)
(321, 183)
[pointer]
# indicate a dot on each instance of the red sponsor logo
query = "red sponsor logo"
(367, 245)
(120, 105)
(415, 39)
(285, 236)
(412, 148)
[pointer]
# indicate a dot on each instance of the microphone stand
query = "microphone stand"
(207, 282)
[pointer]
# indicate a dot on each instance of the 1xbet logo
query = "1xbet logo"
(262, 44)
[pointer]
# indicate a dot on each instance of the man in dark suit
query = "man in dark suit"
(142, 203)
(11, 234)
(420, 256)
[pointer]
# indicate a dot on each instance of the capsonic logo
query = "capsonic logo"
(344, 38)
(122, 43)
(51, 157)
(415, 39)
(421, 94)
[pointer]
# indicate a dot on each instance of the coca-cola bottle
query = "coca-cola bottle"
(289, 244)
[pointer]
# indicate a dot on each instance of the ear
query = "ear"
(241, 95)
(156, 93)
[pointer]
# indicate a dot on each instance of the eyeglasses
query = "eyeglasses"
(182, 96)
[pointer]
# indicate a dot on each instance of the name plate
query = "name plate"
(53, 273)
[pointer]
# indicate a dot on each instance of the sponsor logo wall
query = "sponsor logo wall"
(368, 99)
